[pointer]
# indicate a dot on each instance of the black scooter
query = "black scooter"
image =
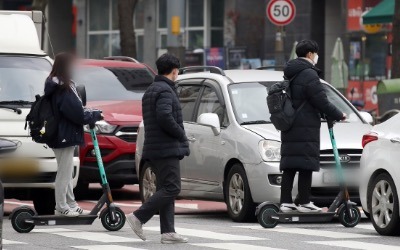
(24, 219)
(269, 215)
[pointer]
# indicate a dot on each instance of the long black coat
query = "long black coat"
(300, 148)
(163, 124)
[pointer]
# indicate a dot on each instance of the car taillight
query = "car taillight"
(369, 138)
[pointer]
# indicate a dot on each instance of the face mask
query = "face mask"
(315, 59)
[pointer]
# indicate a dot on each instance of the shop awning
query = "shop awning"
(382, 13)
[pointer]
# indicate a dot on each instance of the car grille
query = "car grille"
(128, 134)
(349, 158)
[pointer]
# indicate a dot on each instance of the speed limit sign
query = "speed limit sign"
(281, 12)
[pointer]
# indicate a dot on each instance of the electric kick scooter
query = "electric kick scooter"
(24, 219)
(269, 215)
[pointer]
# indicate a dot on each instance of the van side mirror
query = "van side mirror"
(82, 93)
(211, 120)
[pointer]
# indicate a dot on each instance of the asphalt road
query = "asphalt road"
(207, 226)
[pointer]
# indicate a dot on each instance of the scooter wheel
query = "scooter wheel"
(106, 219)
(264, 217)
(19, 217)
(344, 217)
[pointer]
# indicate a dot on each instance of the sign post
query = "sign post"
(280, 13)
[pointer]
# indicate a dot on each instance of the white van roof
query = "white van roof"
(19, 35)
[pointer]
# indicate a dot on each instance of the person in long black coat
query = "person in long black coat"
(300, 148)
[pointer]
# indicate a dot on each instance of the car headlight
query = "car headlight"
(270, 150)
(102, 127)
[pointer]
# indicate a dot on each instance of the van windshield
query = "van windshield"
(21, 78)
(254, 110)
(113, 84)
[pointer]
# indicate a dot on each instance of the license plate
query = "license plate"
(332, 178)
(18, 167)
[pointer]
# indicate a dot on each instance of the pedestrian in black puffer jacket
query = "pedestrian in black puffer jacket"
(165, 144)
(163, 124)
(300, 148)
(71, 117)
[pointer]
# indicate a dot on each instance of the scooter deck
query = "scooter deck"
(305, 217)
(53, 220)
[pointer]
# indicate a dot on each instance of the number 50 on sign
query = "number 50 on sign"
(281, 12)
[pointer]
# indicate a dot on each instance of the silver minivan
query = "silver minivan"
(235, 150)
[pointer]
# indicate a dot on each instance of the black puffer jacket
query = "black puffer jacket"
(301, 144)
(72, 115)
(163, 124)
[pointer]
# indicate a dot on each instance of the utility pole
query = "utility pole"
(176, 20)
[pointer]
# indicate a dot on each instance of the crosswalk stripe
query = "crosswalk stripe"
(99, 237)
(12, 242)
(106, 247)
(355, 245)
(234, 246)
(367, 227)
(208, 234)
(312, 232)
(52, 230)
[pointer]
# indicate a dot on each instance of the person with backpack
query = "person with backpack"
(300, 150)
(71, 116)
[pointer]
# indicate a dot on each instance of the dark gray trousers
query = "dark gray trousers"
(304, 186)
(168, 176)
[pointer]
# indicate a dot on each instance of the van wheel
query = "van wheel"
(383, 204)
(237, 195)
(43, 201)
(147, 182)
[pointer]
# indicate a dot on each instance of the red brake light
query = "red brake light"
(369, 138)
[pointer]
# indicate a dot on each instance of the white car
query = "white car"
(381, 176)
(24, 68)
(235, 150)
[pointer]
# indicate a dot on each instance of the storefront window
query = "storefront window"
(196, 39)
(115, 45)
(99, 15)
(217, 13)
(196, 13)
(368, 57)
(162, 14)
(375, 56)
(99, 46)
(115, 21)
(217, 38)
(103, 28)
(139, 15)
(139, 48)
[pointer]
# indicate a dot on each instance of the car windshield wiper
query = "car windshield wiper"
(255, 122)
(20, 102)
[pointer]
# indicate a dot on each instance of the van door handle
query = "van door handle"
(395, 140)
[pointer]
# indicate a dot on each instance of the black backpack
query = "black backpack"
(280, 105)
(43, 120)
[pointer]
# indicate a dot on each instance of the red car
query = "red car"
(114, 85)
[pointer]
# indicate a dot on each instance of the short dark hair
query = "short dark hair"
(166, 63)
(306, 46)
